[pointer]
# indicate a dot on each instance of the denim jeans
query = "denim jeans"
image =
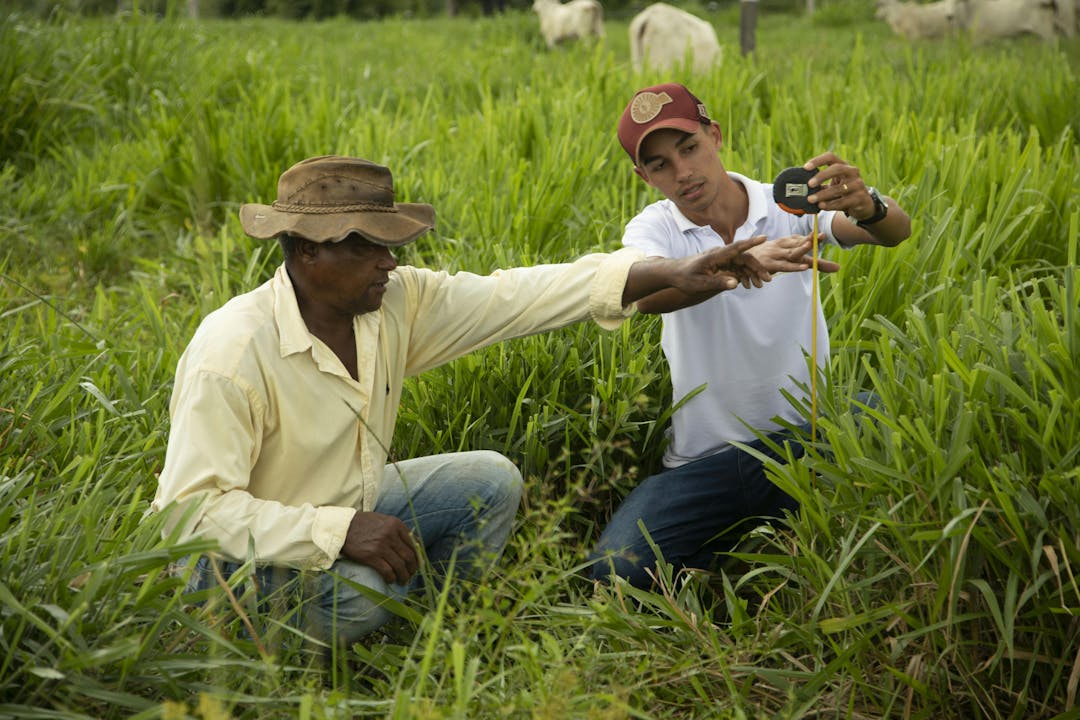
(692, 512)
(461, 506)
(698, 510)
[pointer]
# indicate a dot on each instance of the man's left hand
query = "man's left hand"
(790, 254)
(838, 185)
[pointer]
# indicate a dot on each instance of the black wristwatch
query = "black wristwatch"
(881, 209)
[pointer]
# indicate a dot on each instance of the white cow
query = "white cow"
(1067, 16)
(993, 19)
(574, 20)
(663, 36)
(918, 21)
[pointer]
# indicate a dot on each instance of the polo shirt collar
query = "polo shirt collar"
(758, 209)
(756, 212)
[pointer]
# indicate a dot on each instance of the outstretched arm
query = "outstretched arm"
(672, 284)
(702, 275)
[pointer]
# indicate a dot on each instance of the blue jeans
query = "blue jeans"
(461, 506)
(698, 510)
(692, 513)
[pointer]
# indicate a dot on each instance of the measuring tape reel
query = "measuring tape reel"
(790, 190)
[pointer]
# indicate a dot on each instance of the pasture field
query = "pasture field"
(932, 572)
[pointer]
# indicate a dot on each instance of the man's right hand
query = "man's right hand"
(383, 543)
(698, 273)
(790, 254)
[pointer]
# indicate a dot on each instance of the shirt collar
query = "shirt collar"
(291, 328)
(756, 211)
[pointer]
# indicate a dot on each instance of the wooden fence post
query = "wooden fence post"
(748, 25)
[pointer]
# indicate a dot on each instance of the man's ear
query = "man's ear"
(644, 175)
(306, 250)
(719, 136)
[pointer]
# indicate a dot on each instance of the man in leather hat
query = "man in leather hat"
(285, 399)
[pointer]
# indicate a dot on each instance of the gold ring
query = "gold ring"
(844, 186)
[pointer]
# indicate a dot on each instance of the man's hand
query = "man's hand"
(736, 261)
(699, 276)
(789, 254)
(383, 543)
(839, 186)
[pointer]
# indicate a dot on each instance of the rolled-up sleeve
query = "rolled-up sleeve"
(605, 299)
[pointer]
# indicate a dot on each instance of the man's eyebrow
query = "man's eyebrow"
(685, 136)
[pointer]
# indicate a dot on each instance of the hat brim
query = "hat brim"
(410, 221)
(684, 124)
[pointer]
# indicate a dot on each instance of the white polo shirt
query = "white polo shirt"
(746, 346)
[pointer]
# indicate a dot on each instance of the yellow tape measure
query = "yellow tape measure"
(813, 333)
(790, 190)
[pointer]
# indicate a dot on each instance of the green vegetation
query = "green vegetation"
(933, 571)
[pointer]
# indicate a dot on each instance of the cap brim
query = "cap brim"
(383, 228)
(684, 124)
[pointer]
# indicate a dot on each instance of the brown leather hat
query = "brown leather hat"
(324, 199)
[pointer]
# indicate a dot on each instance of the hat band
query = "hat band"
(331, 209)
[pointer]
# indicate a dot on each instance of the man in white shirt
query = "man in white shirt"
(285, 400)
(747, 347)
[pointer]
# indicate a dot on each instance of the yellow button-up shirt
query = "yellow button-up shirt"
(274, 445)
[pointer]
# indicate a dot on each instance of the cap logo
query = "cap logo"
(647, 105)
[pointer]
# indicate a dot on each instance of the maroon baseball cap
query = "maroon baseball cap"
(669, 105)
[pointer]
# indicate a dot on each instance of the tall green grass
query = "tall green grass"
(932, 570)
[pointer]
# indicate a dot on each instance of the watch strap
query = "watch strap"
(881, 209)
